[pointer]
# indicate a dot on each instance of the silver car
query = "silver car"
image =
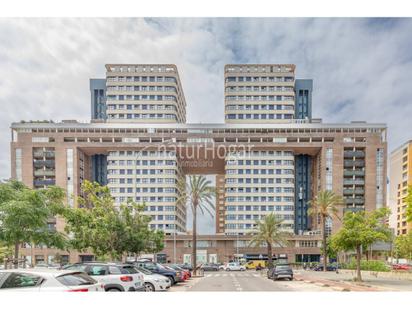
(47, 280)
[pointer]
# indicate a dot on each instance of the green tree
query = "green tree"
(408, 201)
(360, 230)
(96, 223)
(325, 205)
(109, 231)
(5, 252)
(25, 213)
(403, 246)
(269, 232)
(137, 237)
(155, 242)
(197, 193)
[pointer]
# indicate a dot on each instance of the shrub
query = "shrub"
(371, 265)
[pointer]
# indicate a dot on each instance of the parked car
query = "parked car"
(185, 266)
(156, 268)
(210, 267)
(280, 271)
(115, 277)
(234, 266)
(47, 280)
(185, 272)
(329, 267)
(154, 282)
(222, 266)
(257, 264)
(401, 267)
(180, 274)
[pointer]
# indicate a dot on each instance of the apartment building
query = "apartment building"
(144, 93)
(271, 156)
(259, 93)
(400, 178)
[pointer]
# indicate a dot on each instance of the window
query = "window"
(75, 279)
(97, 270)
(114, 270)
(18, 164)
(19, 280)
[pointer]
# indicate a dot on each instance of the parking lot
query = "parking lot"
(242, 281)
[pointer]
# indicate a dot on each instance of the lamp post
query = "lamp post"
(174, 245)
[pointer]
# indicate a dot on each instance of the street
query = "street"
(247, 281)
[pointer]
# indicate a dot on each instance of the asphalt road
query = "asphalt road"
(244, 281)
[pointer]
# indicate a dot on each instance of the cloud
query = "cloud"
(362, 68)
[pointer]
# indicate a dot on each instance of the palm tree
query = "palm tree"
(198, 193)
(269, 232)
(325, 205)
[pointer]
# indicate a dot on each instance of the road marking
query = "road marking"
(217, 275)
(209, 275)
(255, 275)
(224, 275)
(232, 275)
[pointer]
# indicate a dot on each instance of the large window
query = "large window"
(70, 176)
(19, 173)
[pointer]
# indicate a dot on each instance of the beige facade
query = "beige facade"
(261, 93)
(254, 158)
(149, 93)
(400, 178)
(225, 248)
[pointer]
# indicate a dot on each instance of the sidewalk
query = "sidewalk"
(343, 281)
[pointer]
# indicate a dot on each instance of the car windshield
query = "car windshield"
(74, 279)
(282, 267)
(128, 270)
(144, 270)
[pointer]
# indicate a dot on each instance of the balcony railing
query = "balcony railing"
(356, 154)
(44, 173)
(350, 163)
(47, 163)
(44, 182)
(357, 201)
(353, 181)
(353, 173)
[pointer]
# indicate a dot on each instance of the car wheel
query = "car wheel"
(149, 287)
(172, 281)
(275, 278)
(113, 290)
(291, 278)
(227, 269)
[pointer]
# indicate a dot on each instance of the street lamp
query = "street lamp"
(174, 244)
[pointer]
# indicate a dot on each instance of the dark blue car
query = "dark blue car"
(159, 269)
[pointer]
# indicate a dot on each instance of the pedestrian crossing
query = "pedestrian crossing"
(234, 274)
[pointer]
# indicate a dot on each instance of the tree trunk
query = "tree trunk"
(358, 263)
(194, 247)
(16, 255)
(270, 255)
(324, 244)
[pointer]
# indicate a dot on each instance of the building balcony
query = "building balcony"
(357, 201)
(353, 191)
(44, 172)
(41, 154)
(354, 181)
(351, 163)
(355, 154)
(353, 173)
(42, 163)
(44, 182)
